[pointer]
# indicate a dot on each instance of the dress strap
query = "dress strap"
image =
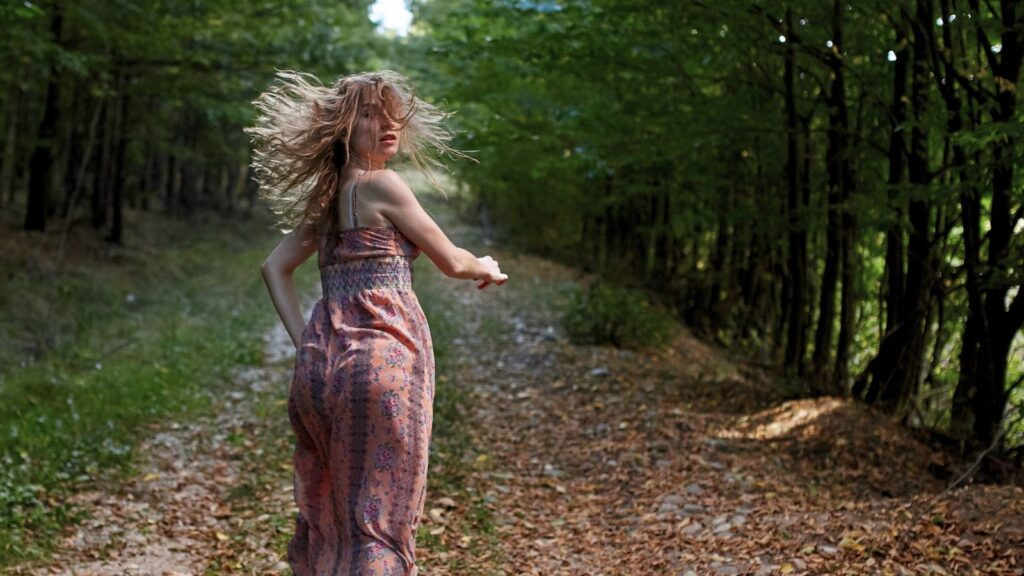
(352, 201)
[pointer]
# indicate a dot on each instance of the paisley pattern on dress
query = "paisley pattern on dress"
(361, 407)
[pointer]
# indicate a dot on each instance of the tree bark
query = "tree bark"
(41, 163)
(117, 180)
(795, 280)
(895, 274)
(896, 369)
(847, 217)
(10, 155)
(834, 159)
(991, 326)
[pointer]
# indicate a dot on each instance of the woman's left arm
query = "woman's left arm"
(278, 270)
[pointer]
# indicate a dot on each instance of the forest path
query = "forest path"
(585, 460)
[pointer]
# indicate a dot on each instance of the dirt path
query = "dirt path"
(688, 461)
(589, 460)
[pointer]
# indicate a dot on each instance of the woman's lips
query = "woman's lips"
(388, 138)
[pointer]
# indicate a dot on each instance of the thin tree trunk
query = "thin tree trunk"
(76, 189)
(41, 163)
(896, 369)
(847, 217)
(794, 281)
(104, 167)
(895, 275)
(121, 137)
(10, 155)
(169, 181)
(834, 158)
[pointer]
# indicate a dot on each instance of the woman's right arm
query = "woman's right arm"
(277, 270)
(399, 205)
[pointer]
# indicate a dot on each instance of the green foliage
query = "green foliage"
(185, 73)
(624, 317)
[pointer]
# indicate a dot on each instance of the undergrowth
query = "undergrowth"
(622, 317)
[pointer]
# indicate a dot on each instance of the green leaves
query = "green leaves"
(607, 314)
(26, 10)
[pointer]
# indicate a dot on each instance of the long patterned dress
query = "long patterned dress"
(361, 406)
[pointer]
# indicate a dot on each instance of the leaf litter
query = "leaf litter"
(692, 461)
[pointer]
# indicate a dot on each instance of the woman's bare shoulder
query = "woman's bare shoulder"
(388, 185)
(385, 180)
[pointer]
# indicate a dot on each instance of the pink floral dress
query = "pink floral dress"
(361, 406)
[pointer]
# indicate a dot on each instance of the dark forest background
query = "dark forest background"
(831, 186)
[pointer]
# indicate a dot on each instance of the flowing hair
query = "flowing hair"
(301, 139)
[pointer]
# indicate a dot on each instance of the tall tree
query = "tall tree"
(42, 155)
(991, 326)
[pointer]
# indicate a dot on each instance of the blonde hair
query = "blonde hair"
(301, 139)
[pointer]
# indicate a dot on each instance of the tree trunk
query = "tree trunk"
(104, 167)
(896, 369)
(41, 164)
(991, 326)
(894, 244)
(79, 181)
(169, 179)
(847, 217)
(117, 183)
(10, 155)
(895, 275)
(834, 160)
(794, 286)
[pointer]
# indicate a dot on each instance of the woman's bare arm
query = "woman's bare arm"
(396, 202)
(277, 270)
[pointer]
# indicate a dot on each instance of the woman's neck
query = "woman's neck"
(365, 163)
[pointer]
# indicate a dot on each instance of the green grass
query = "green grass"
(140, 335)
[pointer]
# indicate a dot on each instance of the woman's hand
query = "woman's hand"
(493, 274)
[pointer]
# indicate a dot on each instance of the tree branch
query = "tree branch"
(993, 62)
(1015, 315)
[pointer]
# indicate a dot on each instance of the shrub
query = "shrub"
(622, 317)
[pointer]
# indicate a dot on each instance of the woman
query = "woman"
(361, 398)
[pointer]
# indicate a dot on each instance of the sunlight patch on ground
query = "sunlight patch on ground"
(782, 420)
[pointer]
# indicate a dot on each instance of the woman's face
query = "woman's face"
(375, 134)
